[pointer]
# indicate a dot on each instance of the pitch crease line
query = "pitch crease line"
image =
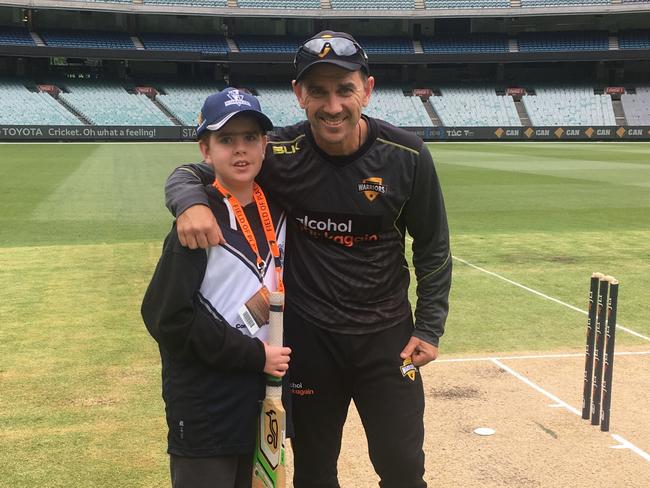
(624, 442)
(627, 444)
(539, 293)
(536, 387)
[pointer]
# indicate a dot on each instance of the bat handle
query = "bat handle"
(276, 302)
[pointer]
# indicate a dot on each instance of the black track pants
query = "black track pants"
(327, 371)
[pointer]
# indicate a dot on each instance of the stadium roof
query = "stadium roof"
(140, 8)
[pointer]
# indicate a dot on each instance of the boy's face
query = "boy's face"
(235, 151)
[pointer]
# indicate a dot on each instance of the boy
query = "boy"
(205, 309)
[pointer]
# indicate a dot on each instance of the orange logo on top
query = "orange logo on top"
(372, 187)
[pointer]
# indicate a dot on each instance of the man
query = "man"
(353, 186)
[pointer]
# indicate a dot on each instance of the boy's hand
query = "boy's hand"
(197, 227)
(277, 360)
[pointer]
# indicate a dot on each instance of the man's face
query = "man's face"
(235, 152)
(333, 99)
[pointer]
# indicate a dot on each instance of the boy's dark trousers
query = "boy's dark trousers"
(329, 369)
(212, 472)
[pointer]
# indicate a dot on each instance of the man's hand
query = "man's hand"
(197, 227)
(421, 352)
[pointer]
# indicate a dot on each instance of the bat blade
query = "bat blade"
(268, 461)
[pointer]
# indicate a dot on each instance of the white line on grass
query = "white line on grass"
(538, 293)
(536, 356)
(623, 443)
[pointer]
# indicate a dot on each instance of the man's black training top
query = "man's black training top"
(348, 217)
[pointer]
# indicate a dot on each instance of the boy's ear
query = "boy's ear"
(265, 141)
(204, 147)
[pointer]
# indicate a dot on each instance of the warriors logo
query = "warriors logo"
(408, 369)
(371, 187)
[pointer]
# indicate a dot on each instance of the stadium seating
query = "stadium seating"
(87, 39)
(188, 3)
(16, 36)
(108, 103)
(564, 41)
(373, 4)
(391, 105)
(636, 39)
(280, 104)
(215, 44)
(474, 106)
(268, 44)
(562, 3)
(569, 105)
(185, 100)
(385, 45)
(281, 4)
(19, 106)
(105, 1)
(467, 3)
(476, 43)
(637, 106)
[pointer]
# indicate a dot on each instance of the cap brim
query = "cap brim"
(265, 122)
(349, 65)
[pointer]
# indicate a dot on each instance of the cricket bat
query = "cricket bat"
(268, 461)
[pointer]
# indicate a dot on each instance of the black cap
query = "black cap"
(337, 48)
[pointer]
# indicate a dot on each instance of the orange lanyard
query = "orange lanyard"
(267, 224)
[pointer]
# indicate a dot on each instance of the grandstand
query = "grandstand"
(184, 100)
(474, 107)
(97, 101)
(569, 105)
(391, 105)
(279, 103)
(636, 39)
(476, 43)
(564, 41)
(562, 3)
(461, 58)
(186, 3)
(464, 4)
(13, 36)
(86, 39)
(280, 4)
(637, 106)
(372, 4)
(383, 45)
(20, 106)
(184, 42)
(267, 44)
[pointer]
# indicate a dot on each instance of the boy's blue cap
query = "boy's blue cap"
(220, 107)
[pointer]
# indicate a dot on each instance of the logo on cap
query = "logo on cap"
(236, 98)
(325, 51)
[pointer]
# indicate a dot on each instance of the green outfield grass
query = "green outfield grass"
(81, 227)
